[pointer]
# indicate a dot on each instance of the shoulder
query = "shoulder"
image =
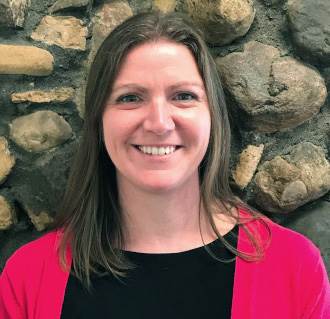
(280, 241)
(34, 253)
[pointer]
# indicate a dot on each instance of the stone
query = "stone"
(222, 21)
(247, 165)
(7, 216)
(7, 160)
(65, 4)
(58, 95)
(289, 181)
(41, 220)
(12, 12)
(310, 25)
(164, 6)
(40, 131)
(64, 31)
(270, 92)
(106, 18)
(29, 60)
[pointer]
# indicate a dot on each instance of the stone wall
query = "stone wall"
(273, 57)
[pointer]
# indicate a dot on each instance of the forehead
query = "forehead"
(161, 60)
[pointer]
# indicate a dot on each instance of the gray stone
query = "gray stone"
(309, 21)
(64, 4)
(12, 12)
(63, 31)
(271, 93)
(40, 131)
(313, 221)
(290, 181)
(222, 21)
(7, 160)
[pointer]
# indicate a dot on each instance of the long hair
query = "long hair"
(89, 217)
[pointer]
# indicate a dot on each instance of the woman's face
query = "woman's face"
(156, 121)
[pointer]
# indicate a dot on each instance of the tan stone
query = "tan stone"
(222, 20)
(40, 131)
(106, 19)
(12, 12)
(58, 95)
(64, 31)
(247, 165)
(7, 160)
(164, 6)
(7, 215)
(29, 60)
(41, 220)
(289, 181)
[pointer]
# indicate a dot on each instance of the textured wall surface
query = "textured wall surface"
(272, 55)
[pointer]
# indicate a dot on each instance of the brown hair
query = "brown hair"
(90, 216)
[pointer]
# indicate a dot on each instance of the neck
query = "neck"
(164, 221)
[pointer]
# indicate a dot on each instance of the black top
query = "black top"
(189, 284)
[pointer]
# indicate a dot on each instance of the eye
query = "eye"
(128, 98)
(185, 96)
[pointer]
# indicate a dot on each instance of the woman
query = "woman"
(149, 226)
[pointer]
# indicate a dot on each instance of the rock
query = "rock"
(58, 95)
(12, 12)
(222, 21)
(105, 20)
(164, 6)
(289, 181)
(41, 220)
(7, 160)
(40, 131)
(247, 165)
(64, 4)
(7, 216)
(271, 93)
(310, 25)
(29, 60)
(65, 32)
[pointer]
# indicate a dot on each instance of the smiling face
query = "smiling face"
(156, 122)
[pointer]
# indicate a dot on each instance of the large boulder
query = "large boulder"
(270, 92)
(289, 181)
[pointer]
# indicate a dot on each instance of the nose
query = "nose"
(159, 119)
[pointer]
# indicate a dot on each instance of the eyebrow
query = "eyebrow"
(172, 87)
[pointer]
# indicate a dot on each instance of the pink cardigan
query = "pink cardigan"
(289, 283)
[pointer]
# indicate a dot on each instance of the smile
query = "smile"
(154, 150)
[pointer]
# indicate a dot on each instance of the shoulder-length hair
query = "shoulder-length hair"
(90, 217)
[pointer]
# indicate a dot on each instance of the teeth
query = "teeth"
(152, 150)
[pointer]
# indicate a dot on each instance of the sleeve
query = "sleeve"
(9, 305)
(316, 290)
